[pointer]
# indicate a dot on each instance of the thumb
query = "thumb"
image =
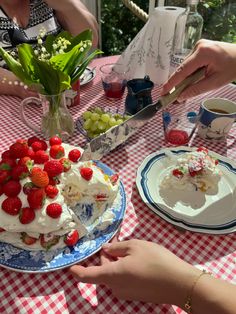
(117, 249)
(92, 274)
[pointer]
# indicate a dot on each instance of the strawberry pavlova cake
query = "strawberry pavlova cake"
(193, 171)
(48, 197)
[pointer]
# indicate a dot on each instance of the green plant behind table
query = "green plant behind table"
(53, 65)
(120, 25)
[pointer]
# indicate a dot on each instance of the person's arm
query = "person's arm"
(145, 271)
(75, 17)
(10, 85)
(219, 60)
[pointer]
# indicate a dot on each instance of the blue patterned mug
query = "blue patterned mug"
(216, 117)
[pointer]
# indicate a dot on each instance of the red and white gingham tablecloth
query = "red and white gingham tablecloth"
(58, 292)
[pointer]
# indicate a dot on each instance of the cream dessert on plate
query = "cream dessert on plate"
(48, 197)
(193, 171)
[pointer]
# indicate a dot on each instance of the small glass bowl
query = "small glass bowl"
(88, 134)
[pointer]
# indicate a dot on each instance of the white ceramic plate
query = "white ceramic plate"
(88, 75)
(213, 212)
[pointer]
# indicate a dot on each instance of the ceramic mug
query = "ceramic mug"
(216, 117)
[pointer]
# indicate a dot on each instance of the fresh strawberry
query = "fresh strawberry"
(74, 155)
(177, 173)
(27, 161)
(12, 188)
(39, 177)
(7, 164)
(2, 230)
(39, 145)
(6, 154)
(54, 210)
(57, 151)
(20, 172)
(32, 139)
(36, 198)
(114, 178)
(202, 149)
(12, 205)
(54, 181)
(4, 176)
(27, 215)
(31, 153)
(65, 163)
(55, 140)
(41, 157)
(53, 168)
(51, 191)
(101, 197)
(86, 173)
(27, 239)
(71, 238)
(18, 150)
(48, 240)
(28, 187)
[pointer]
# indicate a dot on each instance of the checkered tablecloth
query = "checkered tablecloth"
(58, 292)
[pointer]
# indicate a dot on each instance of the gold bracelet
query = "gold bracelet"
(188, 303)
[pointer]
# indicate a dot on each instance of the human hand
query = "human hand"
(219, 60)
(141, 270)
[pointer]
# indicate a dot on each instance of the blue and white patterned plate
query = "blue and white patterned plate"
(213, 212)
(41, 261)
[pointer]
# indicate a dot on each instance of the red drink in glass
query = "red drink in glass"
(114, 90)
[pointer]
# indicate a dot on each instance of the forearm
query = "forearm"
(212, 295)
(75, 17)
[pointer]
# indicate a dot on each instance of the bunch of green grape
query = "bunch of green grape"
(97, 121)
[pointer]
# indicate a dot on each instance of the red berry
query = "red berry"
(53, 168)
(55, 140)
(26, 161)
(20, 172)
(71, 238)
(54, 210)
(4, 176)
(57, 151)
(27, 215)
(36, 198)
(65, 163)
(7, 164)
(74, 155)
(86, 173)
(114, 178)
(202, 149)
(12, 188)
(12, 205)
(51, 191)
(39, 145)
(6, 154)
(41, 157)
(33, 139)
(177, 173)
(48, 240)
(177, 137)
(27, 239)
(18, 150)
(31, 153)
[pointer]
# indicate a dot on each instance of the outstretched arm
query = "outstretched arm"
(219, 60)
(75, 17)
(145, 271)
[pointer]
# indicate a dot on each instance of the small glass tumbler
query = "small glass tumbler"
(113, 80)
(179, 124)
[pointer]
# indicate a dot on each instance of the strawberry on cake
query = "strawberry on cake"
(193, 171)
(44, 192)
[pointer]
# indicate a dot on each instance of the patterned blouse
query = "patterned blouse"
(41, 17)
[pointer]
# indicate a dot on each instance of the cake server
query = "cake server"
(104, 143)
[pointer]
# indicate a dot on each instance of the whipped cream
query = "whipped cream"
(193, 171)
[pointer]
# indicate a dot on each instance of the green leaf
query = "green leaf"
(84, 36)
(26, 56)
(53, 80)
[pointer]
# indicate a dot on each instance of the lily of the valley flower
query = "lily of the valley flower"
(54, 64)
